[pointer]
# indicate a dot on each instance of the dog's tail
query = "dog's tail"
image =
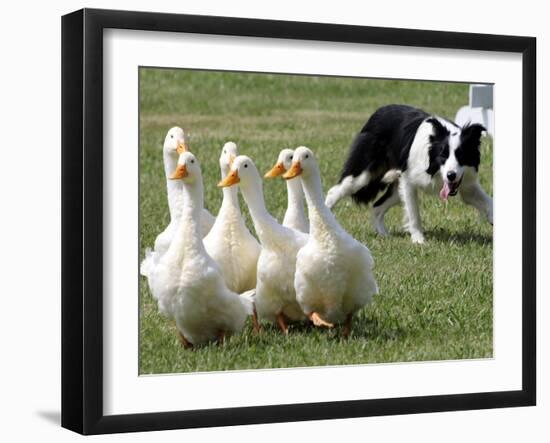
(363, 177)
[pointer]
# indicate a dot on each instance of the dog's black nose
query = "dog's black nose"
(451, 175)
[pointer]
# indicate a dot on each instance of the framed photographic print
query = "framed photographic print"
(269, 221)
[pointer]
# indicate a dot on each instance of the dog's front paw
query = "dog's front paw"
(381, 230)
(332, 198)
(418, 238)
(378, 222)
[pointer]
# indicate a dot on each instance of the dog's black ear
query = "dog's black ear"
(471, 135)
(440, 131)
(468, 152)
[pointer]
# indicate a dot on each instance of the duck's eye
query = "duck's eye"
(225, 152)
(307, 155)
(291, 157)
(246, 165)
(172, 136)
(192, 161)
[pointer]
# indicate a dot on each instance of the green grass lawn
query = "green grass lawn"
(435, 300)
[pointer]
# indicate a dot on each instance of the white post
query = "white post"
(480, 108)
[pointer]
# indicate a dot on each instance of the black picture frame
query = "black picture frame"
(82, 219)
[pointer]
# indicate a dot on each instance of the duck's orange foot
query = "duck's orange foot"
(281, 321)
(221, 337)
(256, 329)
(184, 342)
(347, 326)
(318, 321)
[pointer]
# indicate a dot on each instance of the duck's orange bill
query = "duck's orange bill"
(294, 171)
(230, 179)
(275, 171)
(179, 173)
(182, 147)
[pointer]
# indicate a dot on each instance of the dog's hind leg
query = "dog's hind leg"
(381, 206)
(348, 185)
(475, 196)
(391, 176)
(413, 223)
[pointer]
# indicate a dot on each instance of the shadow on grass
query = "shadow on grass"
(362, 328)
(462, 238)
(444, 236)
(372, 329)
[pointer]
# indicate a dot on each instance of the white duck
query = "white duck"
(334, 276)
(295, 215)
(187, 282)
(229, 242)
(275, 298)
(174, 144)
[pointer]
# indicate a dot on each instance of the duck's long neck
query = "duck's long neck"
(230, 194)
(295, 197)
(188, 238)
(173, 187)
(321, 219)
(265, 225)
(231, 198)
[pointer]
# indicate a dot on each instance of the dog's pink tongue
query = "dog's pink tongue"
(444, 193)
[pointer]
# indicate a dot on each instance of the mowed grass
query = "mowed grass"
(435, 300)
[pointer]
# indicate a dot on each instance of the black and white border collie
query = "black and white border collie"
(402, 149)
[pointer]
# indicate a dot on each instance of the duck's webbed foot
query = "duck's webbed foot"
(256, 329)
(186, 344)
(317, 320)
(281, 321)
(347, 326)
